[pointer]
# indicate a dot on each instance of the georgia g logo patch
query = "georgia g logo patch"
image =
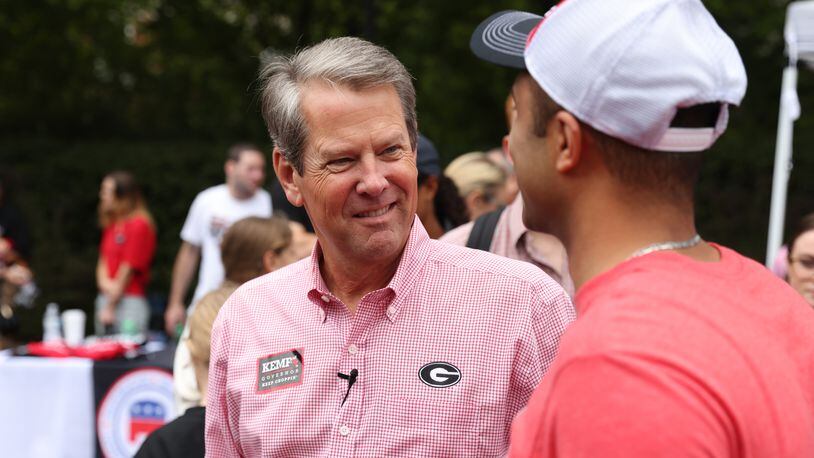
(439, 374)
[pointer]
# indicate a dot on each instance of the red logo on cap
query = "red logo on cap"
(545, 16)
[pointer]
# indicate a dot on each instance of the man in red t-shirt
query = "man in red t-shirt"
(681, 347)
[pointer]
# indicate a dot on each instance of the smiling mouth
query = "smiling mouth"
(375, 213)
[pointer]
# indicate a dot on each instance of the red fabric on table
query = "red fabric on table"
(107, 349)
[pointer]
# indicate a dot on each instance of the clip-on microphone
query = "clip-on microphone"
(351, 380)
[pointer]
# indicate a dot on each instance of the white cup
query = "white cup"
(73, 327)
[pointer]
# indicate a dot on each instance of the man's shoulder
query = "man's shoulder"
(280, 281)
(259, 204)
(271, 293)
(670, 305)
(213, 192)
(668, 278)
(263, 194)
(463, 259)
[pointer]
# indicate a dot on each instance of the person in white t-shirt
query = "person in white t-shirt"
(211, 213)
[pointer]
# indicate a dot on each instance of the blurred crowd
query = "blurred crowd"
(450, 200)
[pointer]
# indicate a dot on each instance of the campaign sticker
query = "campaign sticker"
(281, 370)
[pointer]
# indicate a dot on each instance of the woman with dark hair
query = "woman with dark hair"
(440, 207)
(125, 254)
(801, 259)
(445, 210)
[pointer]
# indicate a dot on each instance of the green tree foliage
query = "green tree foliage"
(161, 88)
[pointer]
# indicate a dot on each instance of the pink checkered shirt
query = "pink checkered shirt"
(513, 240)
(493, 323)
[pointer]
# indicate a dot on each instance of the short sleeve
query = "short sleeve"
(551, 319)
(195, 224)
(139, 245)
(549, 314)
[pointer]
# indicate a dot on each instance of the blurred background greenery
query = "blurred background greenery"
(161, 88)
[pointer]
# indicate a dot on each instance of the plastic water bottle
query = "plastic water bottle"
(51, 324)
(129, 332)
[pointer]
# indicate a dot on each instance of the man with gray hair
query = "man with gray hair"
(384, 342)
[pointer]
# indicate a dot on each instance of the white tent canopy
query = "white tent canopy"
(799, 32)
(799, 35)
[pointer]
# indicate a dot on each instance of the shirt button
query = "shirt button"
(325, 298)
(353, 349)
(391, 310)
(344, 430)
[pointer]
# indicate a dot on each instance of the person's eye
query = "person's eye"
(808, 263)
(392, 150)
(340, 161)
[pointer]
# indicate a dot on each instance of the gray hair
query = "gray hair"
(345, 61)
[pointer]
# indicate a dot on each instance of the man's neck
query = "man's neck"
(236, 193)
(350, 280)
(599, 240)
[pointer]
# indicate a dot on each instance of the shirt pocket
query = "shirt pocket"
(430, 427)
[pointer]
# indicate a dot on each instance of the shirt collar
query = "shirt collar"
(410, 264)
(317, 289)
(515, 219)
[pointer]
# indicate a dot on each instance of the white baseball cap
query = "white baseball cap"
(624, 67)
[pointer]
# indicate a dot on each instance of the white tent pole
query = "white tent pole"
(782, 163)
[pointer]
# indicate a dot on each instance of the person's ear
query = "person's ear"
(567, 137)
(228, 167)
(270, 260)
(431, 185)
(286, 173)
(476, 202)
(505, 146)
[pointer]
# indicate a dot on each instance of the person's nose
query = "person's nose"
(373, 182)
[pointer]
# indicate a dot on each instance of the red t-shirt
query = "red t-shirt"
(131, 241)
(674, 357)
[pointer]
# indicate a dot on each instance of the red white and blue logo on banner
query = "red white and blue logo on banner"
(137, 404)
(145, 417)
